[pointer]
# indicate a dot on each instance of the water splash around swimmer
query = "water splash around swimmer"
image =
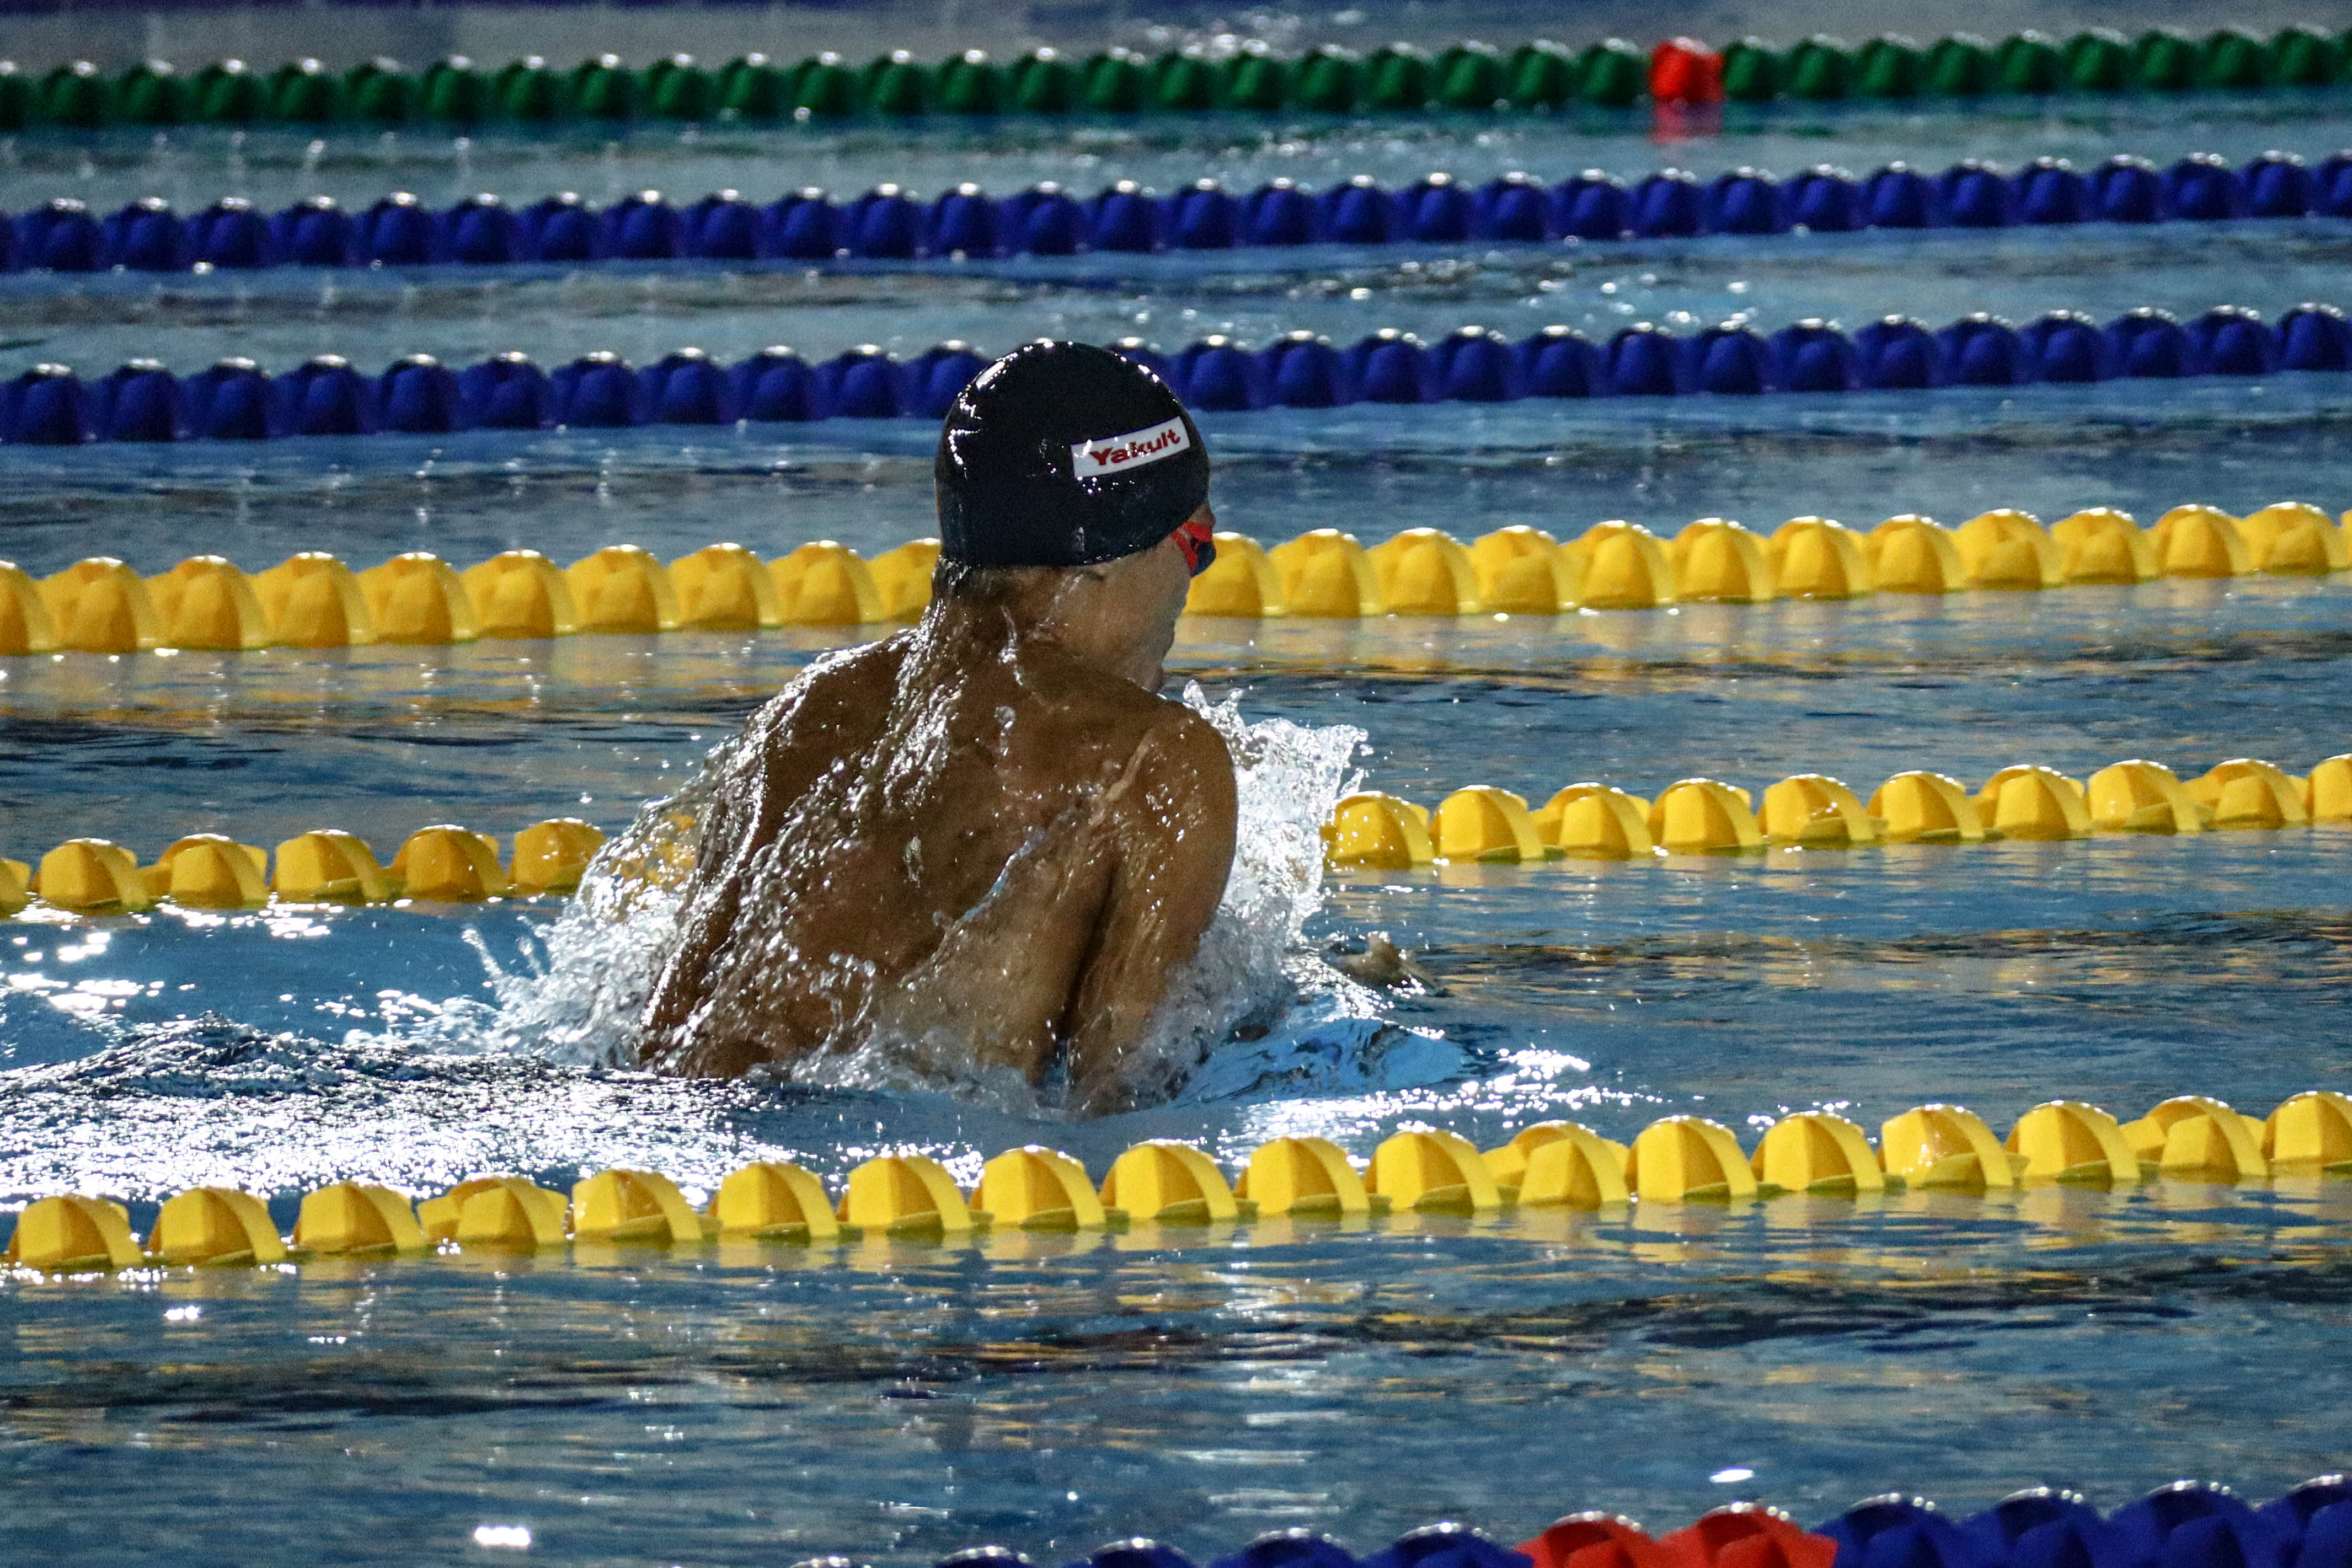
(579, 995)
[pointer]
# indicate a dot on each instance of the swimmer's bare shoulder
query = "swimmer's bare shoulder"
(1172, 818)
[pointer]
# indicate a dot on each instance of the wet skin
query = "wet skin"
(986, 842)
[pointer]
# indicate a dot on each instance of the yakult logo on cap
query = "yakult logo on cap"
(1110, 454)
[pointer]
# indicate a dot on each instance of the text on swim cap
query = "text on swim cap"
(1110, 454)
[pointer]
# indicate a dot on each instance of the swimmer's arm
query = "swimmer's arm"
(1175, 839)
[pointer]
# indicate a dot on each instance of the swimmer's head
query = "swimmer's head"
(1064, 455)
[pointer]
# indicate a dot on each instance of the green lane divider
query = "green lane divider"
(1397, 78)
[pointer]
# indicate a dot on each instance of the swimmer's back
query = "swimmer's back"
(935, 816)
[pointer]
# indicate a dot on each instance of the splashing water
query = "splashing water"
(580, 993)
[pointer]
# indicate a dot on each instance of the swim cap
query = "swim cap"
(1065, 455)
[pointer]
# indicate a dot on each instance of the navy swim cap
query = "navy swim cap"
(1065, 455)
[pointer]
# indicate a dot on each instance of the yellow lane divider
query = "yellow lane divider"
(212, 871)
(313, 600)
(1814, 811)
(445, 863)
(1558, 1165)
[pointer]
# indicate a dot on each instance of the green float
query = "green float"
(824, 88)
(528, 92)
(1612, 73)
(73, 95)
(969, 84)
(1751, 72)
(378, 92)
(1258, 80)
(1326, 81)
(2030, 64)
(1889, 68)
(1818, 71)
(150, 93)
(1116, 82)
(1044, 83)
(1960, 67)
(896, 85)
(453, 93)
(2234, 62)
(602, 88)
(1396, 79)
(2099, 60)
(1541, 75)
(1469, 76)
(2165, 61)
(302, 93)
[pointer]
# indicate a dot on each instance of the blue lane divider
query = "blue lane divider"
(2184, 1524)
(888, 224)
(236, 400)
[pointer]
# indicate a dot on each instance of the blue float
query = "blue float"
(1201, 216)
(1591, 206)
(1391, 366)
(1278, 213)
(2196, 1524)
(2065, 347)
(2203, 188)
(477, 232)
(43, 407)
(1898, 197)
(396, 232)
(2147, 343)
(1640, 362)
(1436, 210)
(141, 401)
(1896, 1531)
(1898, 354)
(1123, 218)
(963, 221)
(1558, 361)
(1813, 356)
(1218, 375)
(560, 228)
(1668, 203)
(641, 228)
(1980, 350)
(2126, 190)
(1512, 207)
(687, 388)
(2229, 341)
(1356, 213)
(1447, 1545)
(323, 396)
(802, 226)
(313, 232)
(418, 395)
(506, 391)
(228, 401)
(1294, 1548)
(722, 227)
(1730, 360)
(2043, 1527)
(1973, 194)
(2049, 192)
(1823, 200)
(147, 236)
(597, 390)
(1303, 371)
(777, 386)
(861, 383)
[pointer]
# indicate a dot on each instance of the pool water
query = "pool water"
(893, 1401)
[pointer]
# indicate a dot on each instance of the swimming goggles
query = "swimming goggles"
(1200, 547)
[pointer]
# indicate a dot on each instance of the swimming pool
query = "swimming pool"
(895, 1400)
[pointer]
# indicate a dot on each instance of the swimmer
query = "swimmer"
(986, 840)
